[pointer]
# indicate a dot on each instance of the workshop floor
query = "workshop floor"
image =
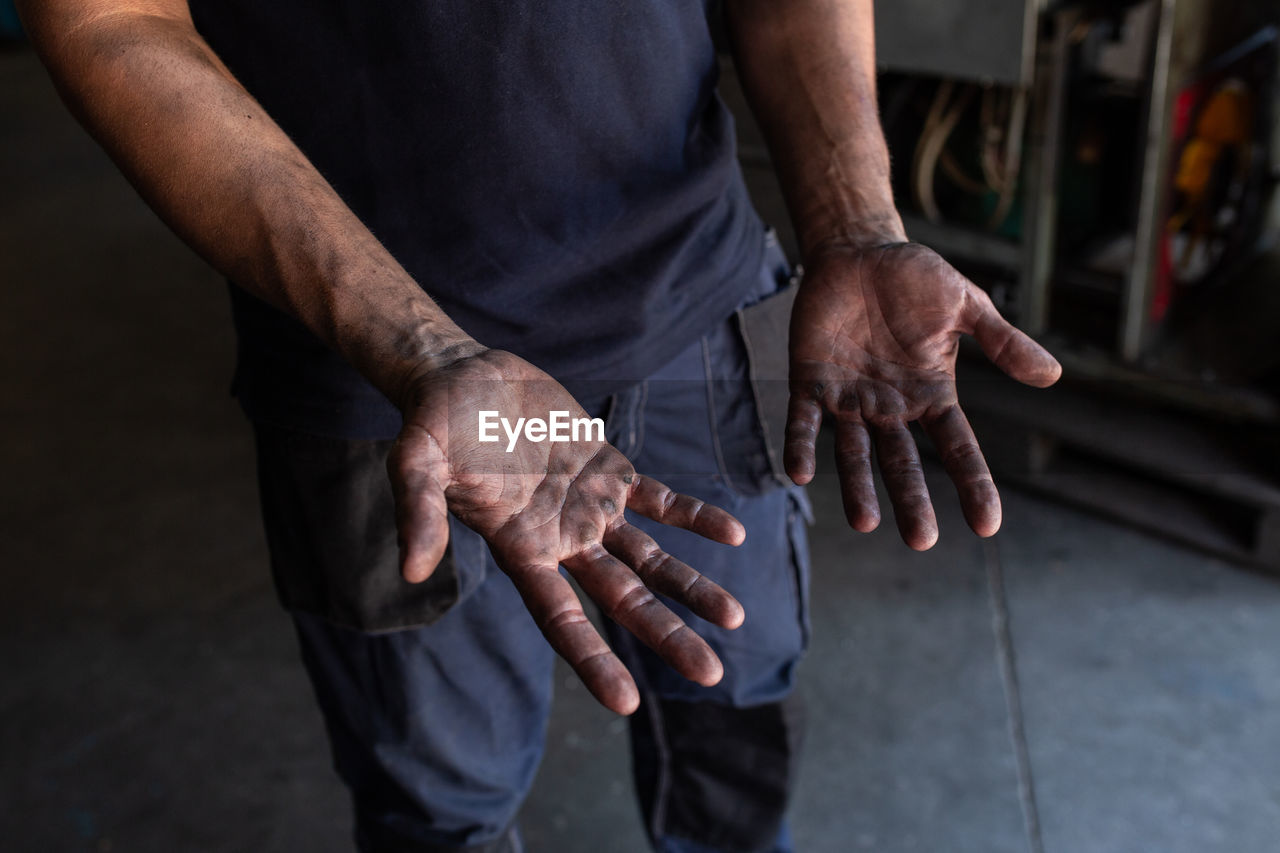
(1071, 686)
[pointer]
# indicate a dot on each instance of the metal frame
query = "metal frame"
(1135, 311)
(1039, 243)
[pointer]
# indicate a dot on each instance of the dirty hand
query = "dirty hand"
(874, 337)
(543, 504)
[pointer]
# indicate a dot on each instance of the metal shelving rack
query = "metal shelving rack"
(1158, 451)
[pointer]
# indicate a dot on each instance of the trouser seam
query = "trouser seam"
(637, 420)
(713, 418)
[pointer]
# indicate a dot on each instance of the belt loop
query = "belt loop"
(624, 419)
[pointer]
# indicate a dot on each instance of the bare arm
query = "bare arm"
(876, 327)
(222, 174)
(808, 67)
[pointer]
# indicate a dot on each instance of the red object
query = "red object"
(1162, 295)
(1184, 110)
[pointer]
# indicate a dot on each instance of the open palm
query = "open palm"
(874, 337)
(545, 504)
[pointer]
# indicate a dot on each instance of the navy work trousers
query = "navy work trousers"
(438, 728)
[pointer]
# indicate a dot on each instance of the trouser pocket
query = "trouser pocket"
(329, 516)
(763, 325)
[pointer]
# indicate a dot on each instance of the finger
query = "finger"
(961, 456)
(804, 417)
(655, 501)
(665, 574)
(904, 480)
(631, 604)
(558, 614)
(1008, 348)
(853, 467)
(418, 472)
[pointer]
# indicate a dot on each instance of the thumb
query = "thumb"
(1009, 348)
(419, 471)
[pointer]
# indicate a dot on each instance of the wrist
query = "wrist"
(853, 233)
(425, 360)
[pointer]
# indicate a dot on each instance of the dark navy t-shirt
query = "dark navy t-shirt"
(559, 176)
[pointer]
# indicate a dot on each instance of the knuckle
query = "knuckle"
(674, 634)
(694, 583)
(695, 510)
(962, 455)
(857, 455)
(915, 503)
(651, 561)
(633, 600)
(901, 469)
(801, 429)
(566, 618)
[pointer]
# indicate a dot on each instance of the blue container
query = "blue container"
(10, 28)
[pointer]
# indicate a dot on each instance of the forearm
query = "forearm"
(213, 164)
(808, 69)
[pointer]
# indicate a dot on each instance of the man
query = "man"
(556, 206)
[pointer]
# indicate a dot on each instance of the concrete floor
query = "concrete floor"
(1072, 686)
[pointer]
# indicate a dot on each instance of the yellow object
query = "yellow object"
(1225, 121)
(1196, 165)
(1228, 117)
